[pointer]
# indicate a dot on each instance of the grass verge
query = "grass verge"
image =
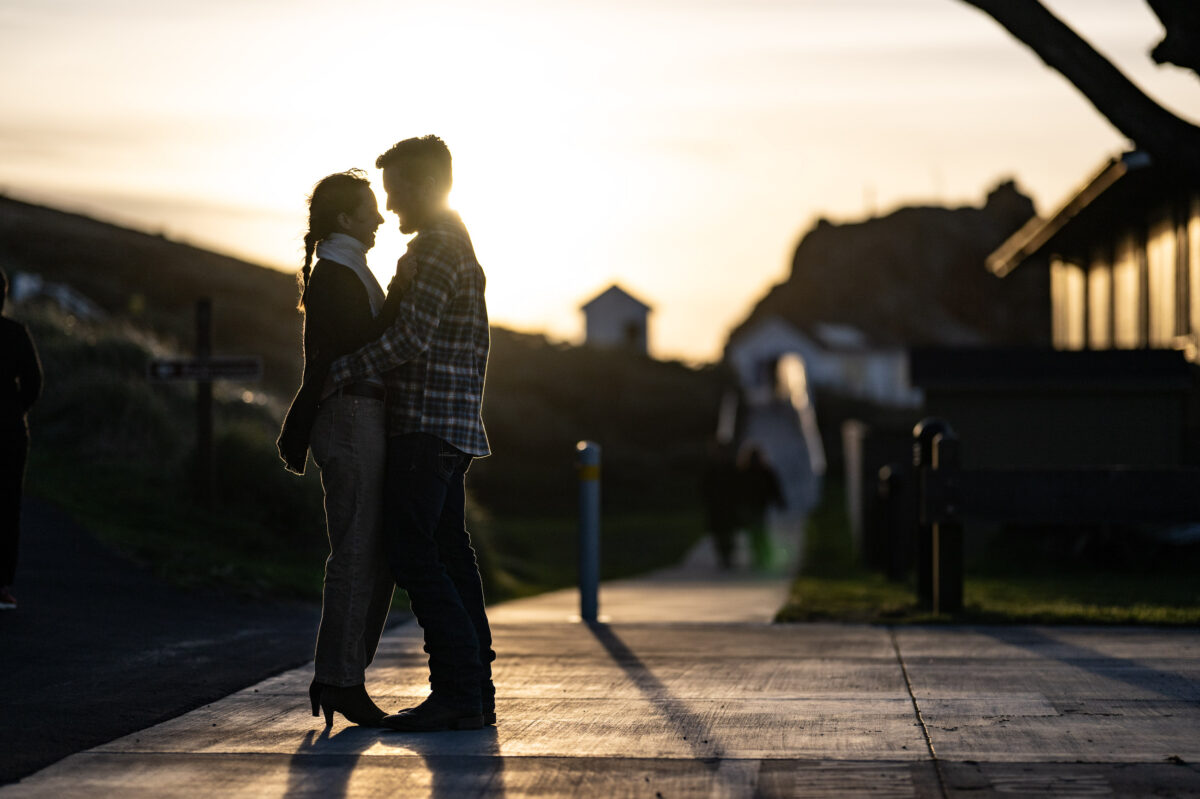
(140, 513)
(833, 587)
(116, 451)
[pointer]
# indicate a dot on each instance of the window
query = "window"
(1099, 301)
(1068, 291)
(632, 335)
(1161, 274)
(1193, 256)
(1127, 292)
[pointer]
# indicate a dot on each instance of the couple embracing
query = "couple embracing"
(390, 407)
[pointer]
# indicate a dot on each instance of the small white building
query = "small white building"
(836, 357)
(616, 319)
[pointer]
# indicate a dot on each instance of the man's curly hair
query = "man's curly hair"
(419, 158)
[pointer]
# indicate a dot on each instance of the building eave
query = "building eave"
(1035, 234)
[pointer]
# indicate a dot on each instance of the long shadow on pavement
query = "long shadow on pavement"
(468, 765)
(1146, 678)
(693, 729)
(457, 764)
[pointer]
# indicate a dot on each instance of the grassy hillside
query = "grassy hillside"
(652, 420)
(117, 449)
(154, 283)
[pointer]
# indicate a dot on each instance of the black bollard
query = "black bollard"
(938, 541)
(947, 530)
(897, 520)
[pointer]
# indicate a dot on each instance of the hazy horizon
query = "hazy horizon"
(680, 150)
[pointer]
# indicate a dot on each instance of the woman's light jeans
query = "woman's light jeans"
(349, 445)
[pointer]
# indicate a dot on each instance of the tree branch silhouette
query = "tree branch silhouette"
(1181, 45)
(1167, 137)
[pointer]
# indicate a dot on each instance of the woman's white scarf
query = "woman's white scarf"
(352, 253)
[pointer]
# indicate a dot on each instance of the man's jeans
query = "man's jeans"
(430, 552)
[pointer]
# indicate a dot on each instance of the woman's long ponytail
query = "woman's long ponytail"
(310, 245)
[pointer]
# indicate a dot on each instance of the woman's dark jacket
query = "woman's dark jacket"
(337, 321)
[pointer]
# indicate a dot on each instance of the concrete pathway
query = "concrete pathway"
(686, 691)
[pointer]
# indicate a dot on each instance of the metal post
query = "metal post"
(948, 533)
(204, 406)
(925, 531)
(589, 529)
(895, 521)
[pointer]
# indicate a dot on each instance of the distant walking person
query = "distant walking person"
(758, 489)
(433, 359)
(719, 489)
(20, 385)
(345, 427)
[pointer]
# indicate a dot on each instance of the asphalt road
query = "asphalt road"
(100, 648)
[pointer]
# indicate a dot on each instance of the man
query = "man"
(20, 385)
(433, 359)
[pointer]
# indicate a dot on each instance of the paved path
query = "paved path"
(686, 692)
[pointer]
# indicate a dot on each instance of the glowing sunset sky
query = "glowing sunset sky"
(678, 148)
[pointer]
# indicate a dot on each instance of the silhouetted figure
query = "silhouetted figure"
(20, 385)
(433, 359)
(345, 426)
(758, 488)
(719, 488)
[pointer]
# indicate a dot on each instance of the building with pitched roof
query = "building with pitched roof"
(1124, 258)
(615, 319)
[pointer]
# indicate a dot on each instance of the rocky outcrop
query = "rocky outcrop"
(916, 277)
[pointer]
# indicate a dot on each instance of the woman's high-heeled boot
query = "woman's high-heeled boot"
(351, 701)
(314, 695)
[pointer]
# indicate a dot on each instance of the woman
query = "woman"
(345, 429)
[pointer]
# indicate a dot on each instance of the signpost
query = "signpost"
(215, 368)
(203, 370)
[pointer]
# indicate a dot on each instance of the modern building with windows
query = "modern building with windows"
(1124, 259)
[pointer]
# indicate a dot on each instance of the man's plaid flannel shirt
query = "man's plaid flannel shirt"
(434, 355)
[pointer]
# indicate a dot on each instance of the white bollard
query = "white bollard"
(589, 529)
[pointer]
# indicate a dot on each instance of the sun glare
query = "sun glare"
(538, 185)
(539, 211)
